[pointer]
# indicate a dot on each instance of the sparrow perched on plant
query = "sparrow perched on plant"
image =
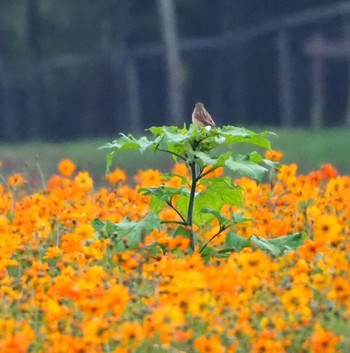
(200, 117)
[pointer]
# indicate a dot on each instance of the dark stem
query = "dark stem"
(192, 166)
(173, 153)
(174, 222)
(207, 172)
(222, 228)
(177, 211)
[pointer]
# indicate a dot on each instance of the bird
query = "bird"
(201, 118)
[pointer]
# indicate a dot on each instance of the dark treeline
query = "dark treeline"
(72, 69)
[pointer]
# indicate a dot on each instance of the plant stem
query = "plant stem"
(41, 173)
(201, 175)
(174, 222)
(169, 203)
(173, 153)
(213, 237)
(192, 166)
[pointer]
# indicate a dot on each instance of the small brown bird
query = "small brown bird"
(201, 117)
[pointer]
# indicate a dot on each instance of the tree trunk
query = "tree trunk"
(133, 87)
(218, 93)
(317, 93)
(229, 92)
(347, 43)
(37, 111)
(8, 122)
(119, 65)
(167, 16)
(285, 79)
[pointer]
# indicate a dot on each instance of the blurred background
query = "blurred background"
(83, 68)
(89, 69)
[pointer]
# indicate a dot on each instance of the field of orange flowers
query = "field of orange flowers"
(63, 289)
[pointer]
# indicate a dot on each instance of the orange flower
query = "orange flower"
(341, 289)
(328, 171)
(15, 336)
(311, 248)
(181, 169)
(209, 344)
(297, 300)
(213, 174)
(66, 167)
(147, 178)
(85, 231)
(316, 176)
(16, 180)
(117, 176)
(90, 295)
(54, 181)
(326, 228)
(324, 341)
(287, 172)
(52, 252)
(121, 350)
(83, 181)
(267, 342)
(178, 242)
(274, 155)
(71, 243)
(131, 334)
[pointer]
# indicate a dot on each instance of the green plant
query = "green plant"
(203, 152)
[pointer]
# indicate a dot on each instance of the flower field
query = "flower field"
(65, 289)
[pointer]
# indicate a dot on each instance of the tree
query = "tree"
(167, 16)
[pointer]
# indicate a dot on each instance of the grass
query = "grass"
(310, 149)
(307, 148)
(25, 157)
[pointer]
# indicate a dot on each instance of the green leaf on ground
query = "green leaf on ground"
(278, 246)
(236, 242)
(127, 234)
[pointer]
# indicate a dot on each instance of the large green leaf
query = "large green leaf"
(224, 221)
(272, 164)
(209, 252)
(205, 159)
(265, 244)
(190, 143)
(132, 232)
(164, 192)
(161, 195)
(278, 246)
(182, 231)
(171, 134)
(173, 139)
(245, 167)
(241, 135)
(127, 142)
(290, 241)
(182, 204)
(218, 192)
(236, 242)
(239, 218)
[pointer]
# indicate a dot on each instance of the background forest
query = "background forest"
(83, 68)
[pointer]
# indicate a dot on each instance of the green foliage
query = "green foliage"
(201, 150)
(279, 245)
(126, 234)
(198, 144)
